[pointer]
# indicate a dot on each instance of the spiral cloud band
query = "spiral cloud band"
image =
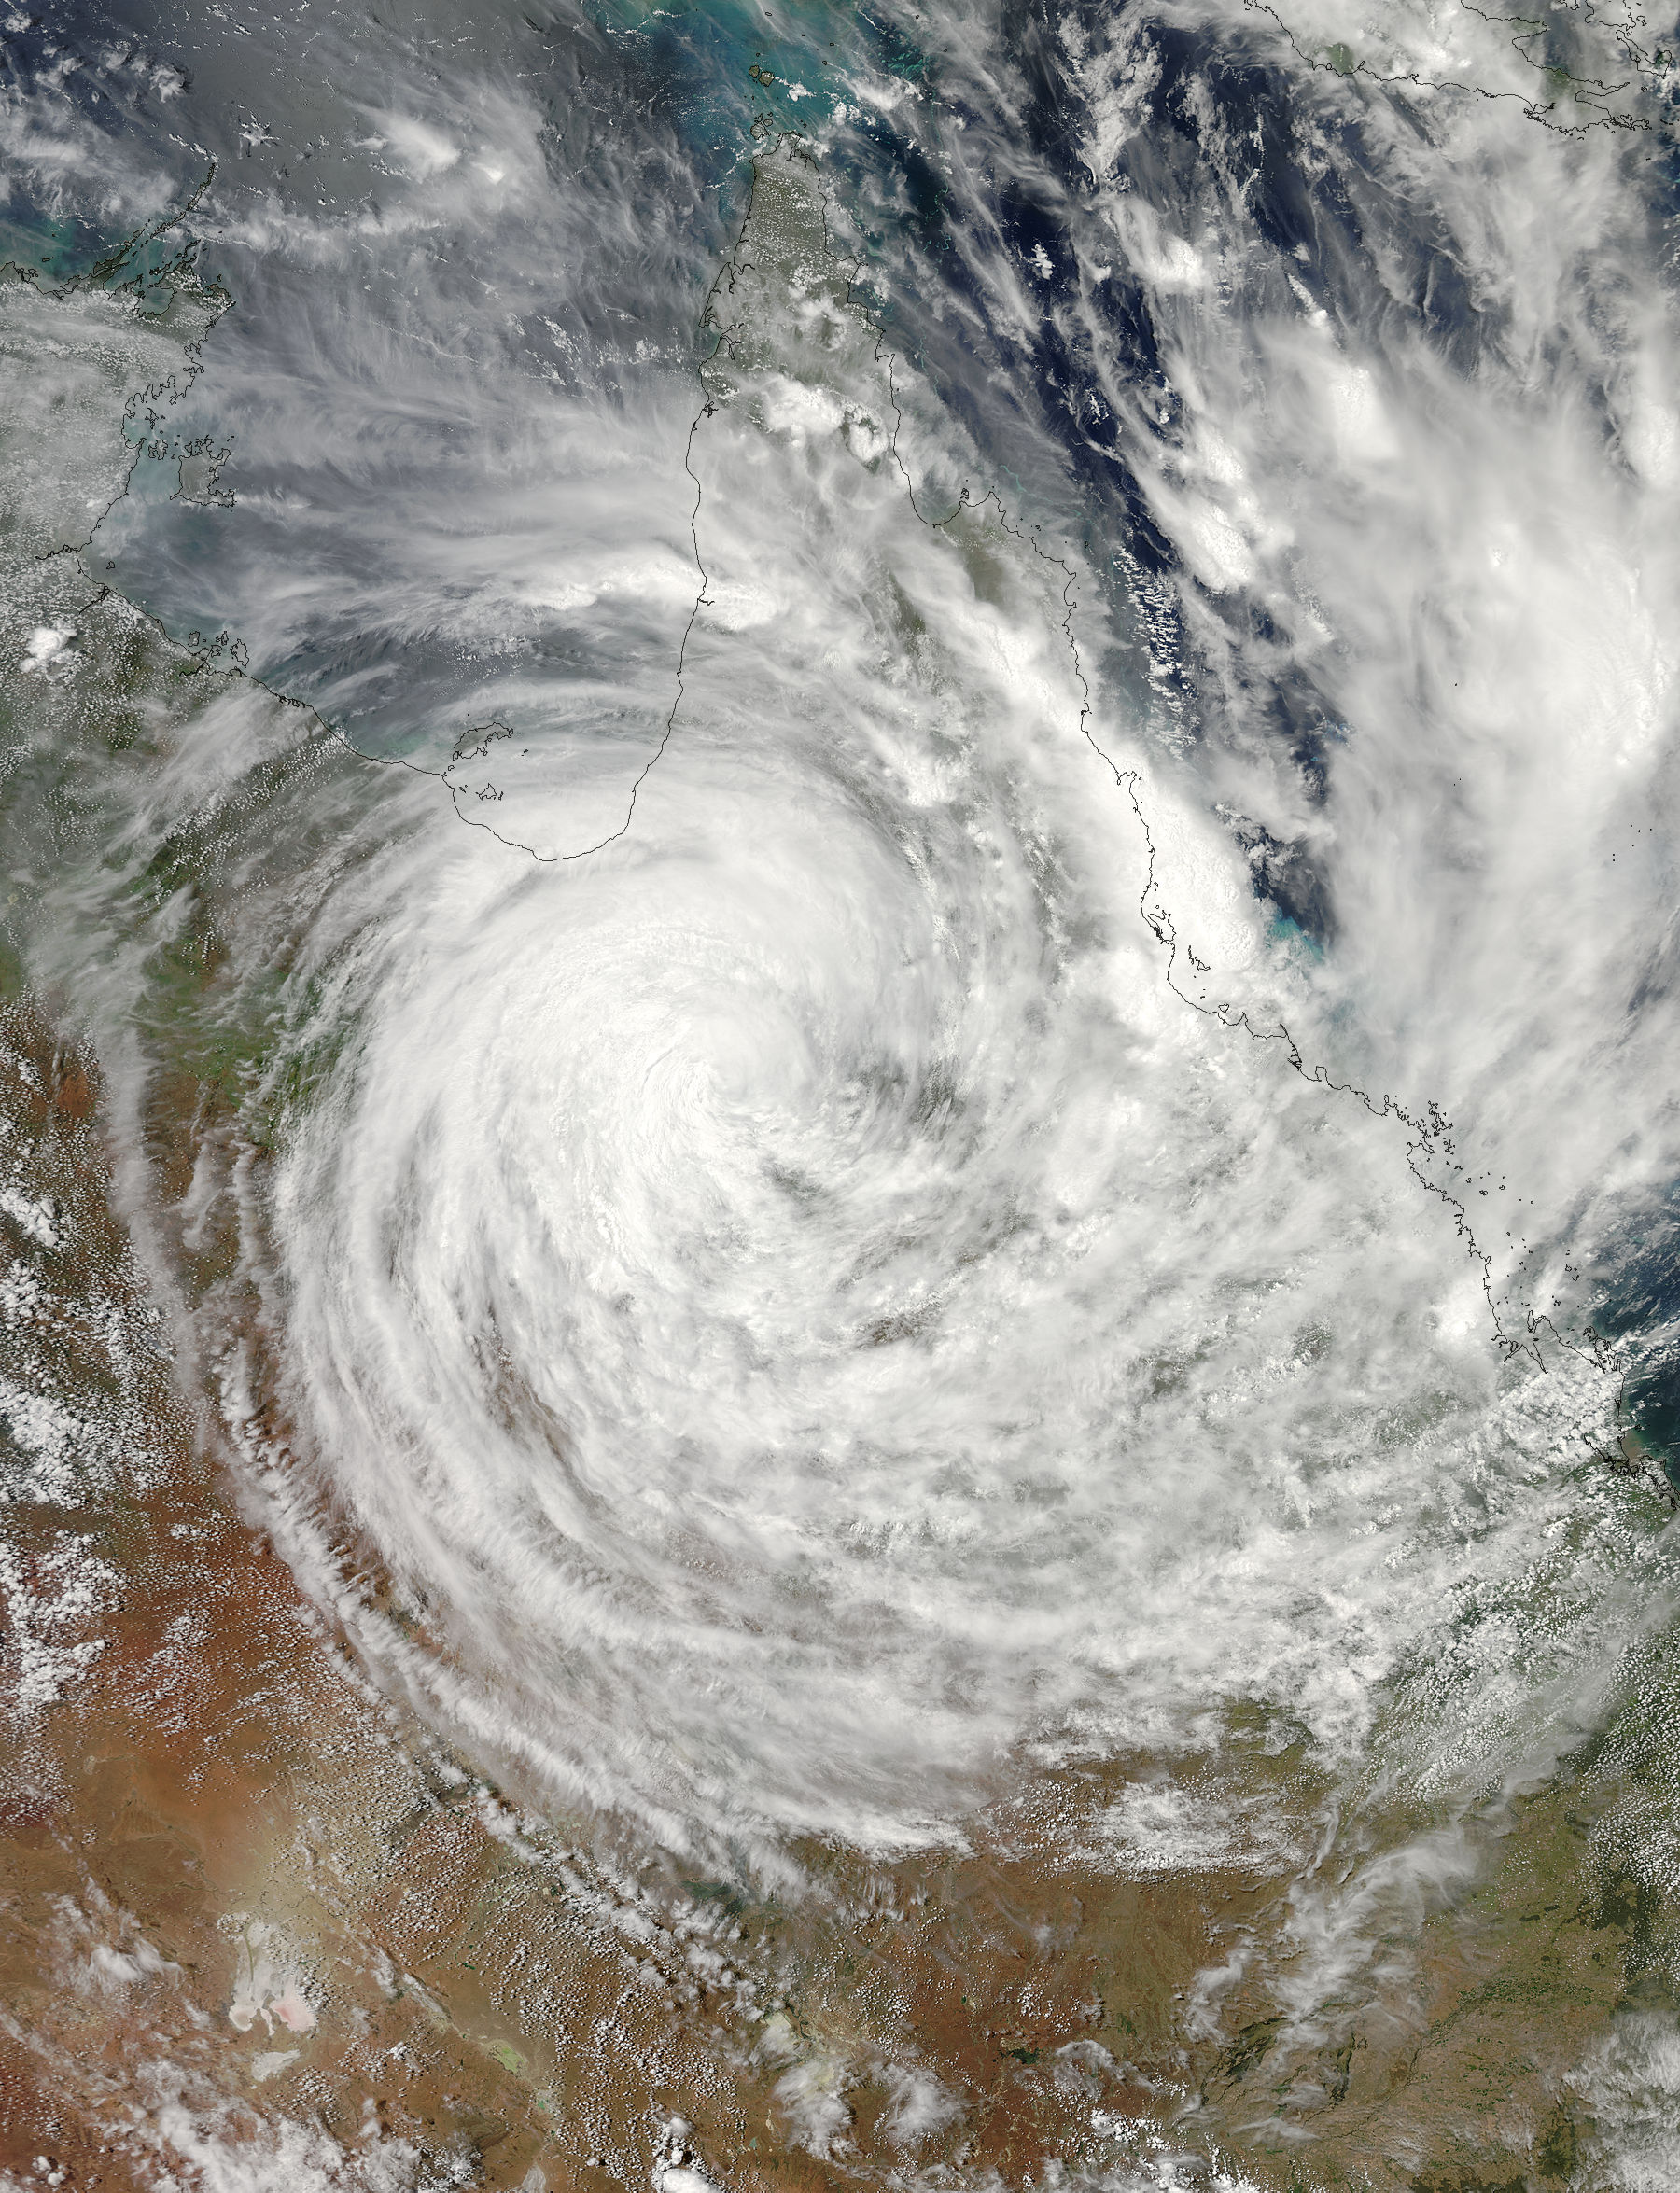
(841, 939)
(801, 1304)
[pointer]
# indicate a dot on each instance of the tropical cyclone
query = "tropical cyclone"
(800, 1310)
(788, 1325)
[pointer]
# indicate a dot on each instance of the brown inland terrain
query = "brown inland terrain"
(260, 1926)
(250, 1905)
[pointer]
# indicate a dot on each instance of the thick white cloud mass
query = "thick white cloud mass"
(798, 1299)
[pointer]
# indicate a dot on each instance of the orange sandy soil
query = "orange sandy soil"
(221, 1825)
